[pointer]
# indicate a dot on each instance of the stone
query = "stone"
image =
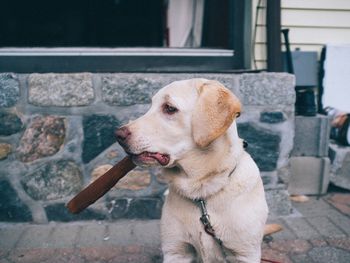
(343, 243)
(35, 236)
(92, 235)
(125, 89)
(272, 117)
(130, 89)
(342, 221)
(291, 246)
(263, 145)
(301, 227)
(98, 135)
(278, 202)
(120, 254)
(162, 179)
(103, 254)
(9, 89)
(12, 209)
(318, 242)
(267, 89)
(65, 237)
(9, 237)
(145, 208)
(329, 254)
(53, 180)
(35, 254)
(59, 213)
(118, 208)
(112, 154)
(63, 90)
(274, 255)
(340, 168)
(301, 258)
(267, 180)
(326, 227)
(135, 180)
(140, 208)
(308, 175)
(5, 150)
(132, 232)
(340, 201)
(71, 147)
(44, 137)
(9, 124)
(311, 136)
(315, 207)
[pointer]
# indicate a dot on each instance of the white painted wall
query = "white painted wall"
(312, 24)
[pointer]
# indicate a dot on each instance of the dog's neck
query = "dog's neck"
(204, 172)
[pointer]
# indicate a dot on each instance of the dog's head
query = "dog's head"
(185, 115)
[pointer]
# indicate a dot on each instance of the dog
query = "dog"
(190, 132)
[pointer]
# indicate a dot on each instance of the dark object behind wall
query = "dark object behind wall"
(96, 23)
(216, 24)
(116, 23)
(321, 74)
(227, 24)
(305, 70)
(288, 54)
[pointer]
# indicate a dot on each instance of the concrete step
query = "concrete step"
(309, 175)
(340, 168)
(321, 229)
(311, 136)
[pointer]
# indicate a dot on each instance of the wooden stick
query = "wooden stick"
(100, 186)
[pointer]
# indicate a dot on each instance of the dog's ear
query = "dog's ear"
(214, 112)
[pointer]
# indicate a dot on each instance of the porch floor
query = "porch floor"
(318, 231)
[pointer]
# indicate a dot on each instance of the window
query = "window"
(119, 35)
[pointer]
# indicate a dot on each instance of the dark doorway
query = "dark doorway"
(107, 23)
(216, 24)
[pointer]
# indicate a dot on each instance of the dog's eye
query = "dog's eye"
(169, 109)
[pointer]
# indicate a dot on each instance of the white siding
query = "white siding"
(312, 36)
(312, 24)
(317, 4)
(258, 31)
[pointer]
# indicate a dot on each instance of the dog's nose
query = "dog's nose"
(122, 134)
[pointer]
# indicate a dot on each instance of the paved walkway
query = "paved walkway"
(318, 231)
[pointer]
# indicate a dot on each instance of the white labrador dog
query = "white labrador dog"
(191, 132)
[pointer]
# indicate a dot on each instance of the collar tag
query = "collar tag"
(205, 219)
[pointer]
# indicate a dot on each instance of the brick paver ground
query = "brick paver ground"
(318, 231)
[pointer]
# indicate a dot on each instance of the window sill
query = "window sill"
(27, 60)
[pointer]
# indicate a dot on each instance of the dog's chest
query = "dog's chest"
(193, 230)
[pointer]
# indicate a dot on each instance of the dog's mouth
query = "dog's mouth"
(150, 157)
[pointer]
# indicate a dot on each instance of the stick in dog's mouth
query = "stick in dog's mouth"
(100, 186)
(104, 183)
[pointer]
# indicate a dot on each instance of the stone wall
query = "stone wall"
(57, 134)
